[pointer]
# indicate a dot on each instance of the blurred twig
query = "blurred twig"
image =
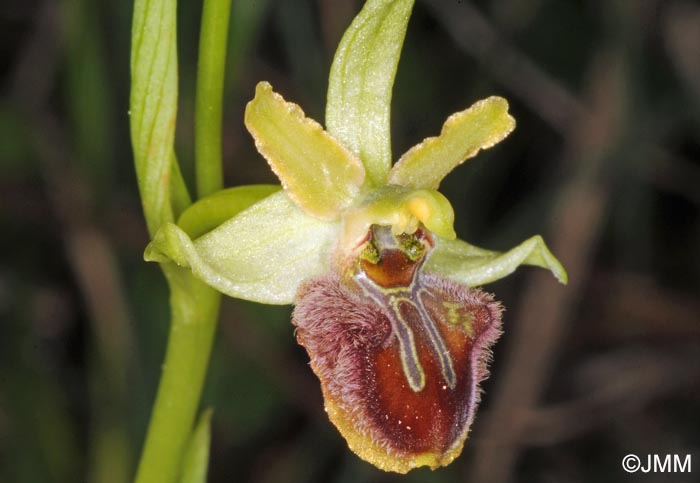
(475, 35)
(642, 308)
(616, 384)
(682, 37)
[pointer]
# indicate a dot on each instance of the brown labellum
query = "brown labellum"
(399, 353)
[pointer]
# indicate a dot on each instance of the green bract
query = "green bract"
(339, 182)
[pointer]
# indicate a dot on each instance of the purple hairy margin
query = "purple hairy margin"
(342, 330)
(339, 328)
(481, 354)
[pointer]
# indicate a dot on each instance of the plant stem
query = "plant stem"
(209, 96)
(195, 308)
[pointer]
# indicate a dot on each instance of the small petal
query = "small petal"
(463, 135)
(473, 266)
(263, 254)
(317, 172)
(400, 354)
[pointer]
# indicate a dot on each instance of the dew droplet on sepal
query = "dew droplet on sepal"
(354, 349)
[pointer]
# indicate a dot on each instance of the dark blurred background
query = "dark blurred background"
(604, 163)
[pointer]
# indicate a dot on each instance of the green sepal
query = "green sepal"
(317, 172)
(463, 135)
(262, 254)
(196, 459)
(359, 87)
(474, 266)
(211, 211)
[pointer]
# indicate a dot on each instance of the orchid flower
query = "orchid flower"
(386, 298)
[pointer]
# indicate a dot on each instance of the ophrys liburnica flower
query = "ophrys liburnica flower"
(386, 299)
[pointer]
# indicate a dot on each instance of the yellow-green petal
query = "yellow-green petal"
(318, 173)
(463, 135)
(359, 87)
(474, 266)
(263, 254)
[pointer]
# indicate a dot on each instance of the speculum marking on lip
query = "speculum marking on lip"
(392, 282)
(436, 340)
(407, 345)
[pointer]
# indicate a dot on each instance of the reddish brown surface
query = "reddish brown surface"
(429, 420)
(345, 326)
(394, 269)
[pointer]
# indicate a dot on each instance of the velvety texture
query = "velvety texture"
(352, 341)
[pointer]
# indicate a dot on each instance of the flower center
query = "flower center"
(387, 271)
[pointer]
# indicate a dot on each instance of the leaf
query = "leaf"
(463, 135)
(180, 198)
(262, 254)
(196, 458)
(211, 211)
(361, 79)
(318, 173)
(153, 104)
(473, 266)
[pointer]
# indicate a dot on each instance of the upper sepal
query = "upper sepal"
(359, 87)
(262, 254)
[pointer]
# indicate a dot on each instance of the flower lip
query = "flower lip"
(399, 361)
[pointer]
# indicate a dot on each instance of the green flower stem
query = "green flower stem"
(209, 97)
(195, 309)
(194, 306)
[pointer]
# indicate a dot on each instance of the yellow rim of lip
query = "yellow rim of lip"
(368, 450)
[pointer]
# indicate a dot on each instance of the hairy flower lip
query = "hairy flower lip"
(325, 305)
(342, 327)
